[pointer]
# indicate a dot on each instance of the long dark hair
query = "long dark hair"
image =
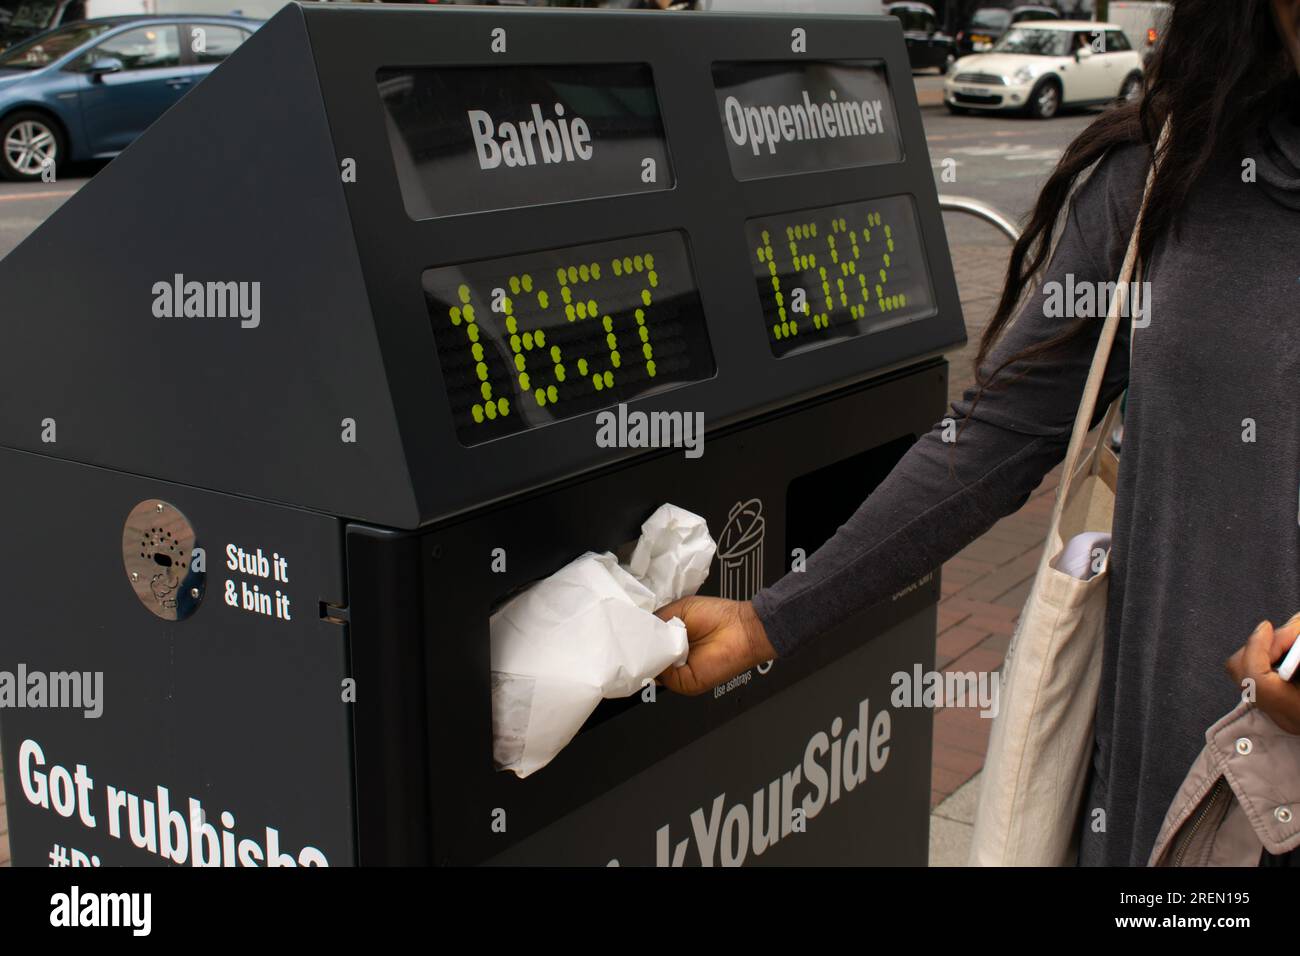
(1220, 70)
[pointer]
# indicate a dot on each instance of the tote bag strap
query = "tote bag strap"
(1092, 386)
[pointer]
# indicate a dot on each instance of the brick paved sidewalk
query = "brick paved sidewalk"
(984, 588)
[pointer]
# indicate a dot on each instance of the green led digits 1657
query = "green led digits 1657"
(838, 272)
(524, 340)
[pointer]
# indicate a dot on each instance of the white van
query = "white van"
(1142, 22)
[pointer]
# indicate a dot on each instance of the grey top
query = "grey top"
(1206, 536)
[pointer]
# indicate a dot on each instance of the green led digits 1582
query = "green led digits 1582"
(525, 340)
(838, 272)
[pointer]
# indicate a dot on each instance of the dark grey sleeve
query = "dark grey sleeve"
(943, 495)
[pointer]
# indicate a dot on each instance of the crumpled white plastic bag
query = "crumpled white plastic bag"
(589, 632)
(673, 554)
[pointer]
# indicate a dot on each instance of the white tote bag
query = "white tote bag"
(1032, 785)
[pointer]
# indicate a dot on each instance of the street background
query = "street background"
(1002, 160)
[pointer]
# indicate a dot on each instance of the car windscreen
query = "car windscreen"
(1021, 16)
(43, 50)
(20, 19)
(1035, 42)
(913, 19)
(990, 19)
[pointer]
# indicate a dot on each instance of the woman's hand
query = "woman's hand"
(726, 638)
(1276, 697)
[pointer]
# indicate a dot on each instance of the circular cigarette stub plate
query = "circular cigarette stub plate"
(158, 553)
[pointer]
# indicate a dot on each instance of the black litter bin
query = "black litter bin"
(400, 311)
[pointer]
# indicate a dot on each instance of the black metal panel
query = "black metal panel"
(712, 802)
(344, 334)
(239, 710)
(251, 712)
(388, 651)
(351, 44)
(766, 460)
(236, 183)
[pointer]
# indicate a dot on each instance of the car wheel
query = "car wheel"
(29, 142)
(1045, 100)
(955, 110)
(1132, 88)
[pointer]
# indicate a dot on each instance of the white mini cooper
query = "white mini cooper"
(1042, 66)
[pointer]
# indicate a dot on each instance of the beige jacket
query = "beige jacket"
(1241, 795)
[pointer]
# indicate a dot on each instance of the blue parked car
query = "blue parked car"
(86, 90)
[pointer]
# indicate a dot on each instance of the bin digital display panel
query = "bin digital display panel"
(476, 139)
(530, 339)
(838, 272)
(782, 118)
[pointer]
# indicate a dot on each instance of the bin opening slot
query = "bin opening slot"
(818, 502)
(609, 708)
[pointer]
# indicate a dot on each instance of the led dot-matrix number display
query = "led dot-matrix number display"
(530, 339)
(838, 272)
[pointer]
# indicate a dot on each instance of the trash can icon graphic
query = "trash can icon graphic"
(740, 551)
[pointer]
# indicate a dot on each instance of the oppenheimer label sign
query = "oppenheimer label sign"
(781, 118)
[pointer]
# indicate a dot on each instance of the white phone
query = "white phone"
(1289, 663)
